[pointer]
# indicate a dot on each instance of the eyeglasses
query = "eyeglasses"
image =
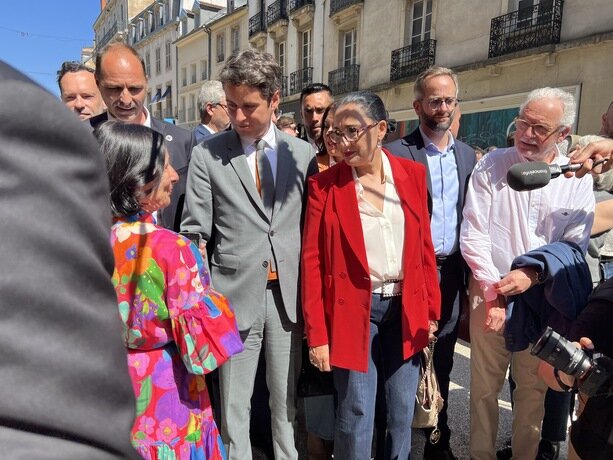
(537, 129)
(350, 133)
(223, 106)
(437, 103)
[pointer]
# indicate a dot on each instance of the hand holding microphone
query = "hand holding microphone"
(537, 174)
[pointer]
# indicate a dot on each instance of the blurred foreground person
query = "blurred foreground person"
(176, 328)
(367, 310)
(65, 391)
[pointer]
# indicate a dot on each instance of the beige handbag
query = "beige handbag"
(428, 400)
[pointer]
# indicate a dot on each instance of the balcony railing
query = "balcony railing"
(107, 37)
(256, 24)
(345, 79)
(412, 59)
(338, 5)
(526, 28)
(284, 88)
(297, 4)
(276, 11)
(299, 79)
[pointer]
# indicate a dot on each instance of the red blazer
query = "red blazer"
(336, 287)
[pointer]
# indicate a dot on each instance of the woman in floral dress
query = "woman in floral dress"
(175, 327)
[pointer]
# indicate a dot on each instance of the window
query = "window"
(183, 76)
(348, 47)
(162, 14)
(158, 61)
(193, 74)
(420, 22)
(221, 47)
(191, 112)
(182, 110)
(235, 39)
(305, 49)
(168, 55)
(148, 64)
(203, 70)
(527, 14)
(230, 6)
(280, 56)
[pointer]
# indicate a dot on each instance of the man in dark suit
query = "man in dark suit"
(121, 78)
(245, 196)
(65, 390)
(213, 110)
(449, 163)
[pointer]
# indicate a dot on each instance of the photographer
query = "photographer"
(592, 433)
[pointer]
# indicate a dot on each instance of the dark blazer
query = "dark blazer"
(412, 147)
(336, 287)
(65, 391)
(179, 143)
(201, 133)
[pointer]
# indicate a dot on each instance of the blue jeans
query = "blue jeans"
(357, 390)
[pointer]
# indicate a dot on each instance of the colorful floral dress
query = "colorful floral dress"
(176, 329)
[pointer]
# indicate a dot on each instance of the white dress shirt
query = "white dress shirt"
(270, 150)
(383, 231)
(500, 223)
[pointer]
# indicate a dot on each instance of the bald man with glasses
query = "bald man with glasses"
(448, 163)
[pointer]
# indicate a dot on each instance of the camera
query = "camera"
(593, 372)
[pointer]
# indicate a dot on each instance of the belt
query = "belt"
(440, 260)
(389, 288)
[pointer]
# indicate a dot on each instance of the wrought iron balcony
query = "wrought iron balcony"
(297, 4)
(276, 11)
(256, 24)
(412, 59)
(299, 79)
(345, 79)
(526, 28)
(338, 5)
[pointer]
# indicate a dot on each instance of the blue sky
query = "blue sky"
(36, 38)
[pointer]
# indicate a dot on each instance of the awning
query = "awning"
(156, 98)
(166, 93)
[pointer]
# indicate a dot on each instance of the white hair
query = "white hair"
(567, 100)
(211, 92)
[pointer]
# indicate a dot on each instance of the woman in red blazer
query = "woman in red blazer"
(370, 293)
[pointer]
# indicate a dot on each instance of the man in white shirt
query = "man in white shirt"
(500, 224)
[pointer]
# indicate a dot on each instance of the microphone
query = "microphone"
(535, 174)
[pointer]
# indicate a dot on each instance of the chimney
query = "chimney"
(102, 4)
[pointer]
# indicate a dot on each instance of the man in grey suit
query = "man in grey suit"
(65, 391)
(213, 110)
(245, 195)
(449, 163)
(121, 78)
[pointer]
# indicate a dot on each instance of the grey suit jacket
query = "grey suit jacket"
(412, 147)
(179, 143)
(223, 204)
(65, 391)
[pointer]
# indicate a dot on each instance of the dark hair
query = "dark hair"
(100, 56)
(285, 121)
(255, 69)
(314, 88)
(369, 101)
(71, 67)
(321, 145)
(134, 156)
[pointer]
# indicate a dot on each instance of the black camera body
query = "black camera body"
(593, 372)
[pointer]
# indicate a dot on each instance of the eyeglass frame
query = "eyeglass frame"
(533, 125)
(437, 102)
(360, 131)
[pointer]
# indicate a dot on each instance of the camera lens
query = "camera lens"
(561, 353)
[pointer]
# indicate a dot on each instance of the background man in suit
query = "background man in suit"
(213, 110)
(78, 90)
(120, 75)
(245, 196)
(449, 163)
(65, 390)
(314, 100)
